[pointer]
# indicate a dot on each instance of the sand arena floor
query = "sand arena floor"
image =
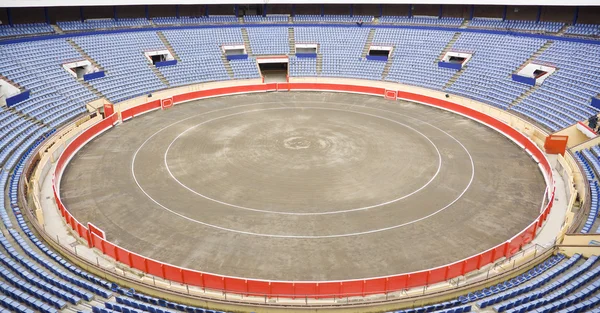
(304, 186)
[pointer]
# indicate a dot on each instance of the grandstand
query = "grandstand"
(69, 75)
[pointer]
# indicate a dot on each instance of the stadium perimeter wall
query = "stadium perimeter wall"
(501, 121)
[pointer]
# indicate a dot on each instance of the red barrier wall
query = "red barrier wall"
(290, 289)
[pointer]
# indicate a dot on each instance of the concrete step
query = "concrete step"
(246, 41)
(454, 77)
(562, 30)
(386, 68)
(162, 78)
(57, 29)
(448, 46)
(524, 95)
(292, 41)
(369, 42)
(168, 45)
(319, 64)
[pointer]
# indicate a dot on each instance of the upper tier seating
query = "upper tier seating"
(422, 20)
(122, 56)
(529, 26)
(56, 96)
(266, 19)
(584, 30)
(200, 53)
(25, 29)
(186, 20)
(103, 23)
(332, 18)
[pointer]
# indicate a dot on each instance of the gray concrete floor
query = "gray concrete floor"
(304, 186)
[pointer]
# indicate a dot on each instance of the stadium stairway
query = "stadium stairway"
(524, 95)
(368, 43)
(448, 47)
(84, 54)
(292, 40)
(246, 41)
(167, 44)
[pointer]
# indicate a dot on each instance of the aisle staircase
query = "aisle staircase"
(455, 77)
(84, 54)
(167, 44)
(524, 95)
(162, 78)
(535, 55)
(319, 63)
(448, 47)
(246, 41)
(292, 41)
(368, 43)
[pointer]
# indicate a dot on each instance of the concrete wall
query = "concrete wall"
(576, 137)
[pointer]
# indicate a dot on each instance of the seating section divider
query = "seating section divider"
(299, 289)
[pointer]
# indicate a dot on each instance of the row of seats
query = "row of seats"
(520, 25)
(25, 29)
(422, 20)
(92, 24)
(477, 22)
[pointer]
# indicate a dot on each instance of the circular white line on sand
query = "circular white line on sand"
(304, 236)
(439, 164)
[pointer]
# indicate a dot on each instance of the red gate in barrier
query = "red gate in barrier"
(95, 237)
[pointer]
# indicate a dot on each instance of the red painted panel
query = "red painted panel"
(97, 242)
(72, 222)
(95, 230)
(355, 288)
(125, 114)
(500, 251)
(86, 237)
(213, 282)
(282, 289)
(155, 268)
(305, 289)
(330, 290)
(398, 282)
(455, 270)
(258, 287)
(123, 256)
(417, 279)
(486, 258)
(471, 264)
(108, 110)
(109, 249)
(81, 230)
(529, 233)
(375, 286)
(236, 285)
(138, 262)
(173, 273)
(190, 277)
(437, 275)
(514, 246)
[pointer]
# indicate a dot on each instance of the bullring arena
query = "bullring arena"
(304, 186)
(207, 157)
